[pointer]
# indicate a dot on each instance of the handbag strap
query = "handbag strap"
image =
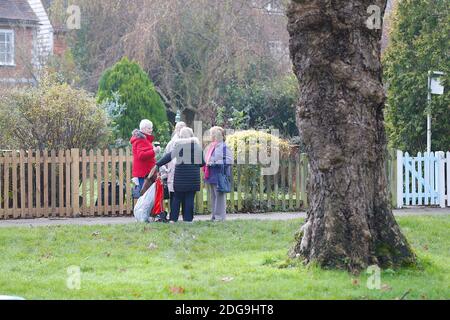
(224, 154)
(224, 159)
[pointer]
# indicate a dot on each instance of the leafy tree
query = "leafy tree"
(54, 116)
(419, 43)
(263, 105)
(190, 47)
(128, 83)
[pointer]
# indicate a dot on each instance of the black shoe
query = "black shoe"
(162, 217)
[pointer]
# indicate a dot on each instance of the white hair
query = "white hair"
(186, 133)
(146, 124)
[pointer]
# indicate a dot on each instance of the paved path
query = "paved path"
(129, 220)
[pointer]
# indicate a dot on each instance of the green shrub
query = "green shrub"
(138, 97)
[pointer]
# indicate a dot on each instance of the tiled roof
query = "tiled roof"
(17, 11)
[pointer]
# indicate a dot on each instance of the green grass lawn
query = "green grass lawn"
(235, 260)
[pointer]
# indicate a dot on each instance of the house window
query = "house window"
(6, 47)
(277, 49)
(274, 7)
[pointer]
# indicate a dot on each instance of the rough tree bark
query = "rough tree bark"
(336, 58)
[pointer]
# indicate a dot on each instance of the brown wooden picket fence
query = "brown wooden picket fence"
(283, 192)
(80, 183)
(64, 183)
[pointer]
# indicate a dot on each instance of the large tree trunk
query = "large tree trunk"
(340, 115)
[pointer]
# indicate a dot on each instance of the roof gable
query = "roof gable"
(17, 11)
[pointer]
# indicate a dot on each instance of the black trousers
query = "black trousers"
(186, 201)
(172, 196)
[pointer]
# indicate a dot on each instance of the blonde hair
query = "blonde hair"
(186, 133)
(217, 133)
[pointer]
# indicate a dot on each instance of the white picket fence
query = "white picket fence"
(423, 180)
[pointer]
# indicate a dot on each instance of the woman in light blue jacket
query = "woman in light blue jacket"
(219, 158)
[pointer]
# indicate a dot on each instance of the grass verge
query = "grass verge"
(234, 260)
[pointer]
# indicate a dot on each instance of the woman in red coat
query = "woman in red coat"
(144, 154)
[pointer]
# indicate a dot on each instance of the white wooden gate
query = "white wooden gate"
(423, 180)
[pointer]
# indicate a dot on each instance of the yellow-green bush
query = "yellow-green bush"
(250, 174)
(262, 139)
(52, 115)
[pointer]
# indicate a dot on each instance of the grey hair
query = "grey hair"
(218, 133)
(186, 133)
(146, 124)
(179, 126)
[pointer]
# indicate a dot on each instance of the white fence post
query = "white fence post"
(399, 179)
(435, 178)
(441, 178)
(428, 190)
(421, 187)
(448, 179)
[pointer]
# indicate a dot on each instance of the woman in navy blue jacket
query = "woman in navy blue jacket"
(189, 155)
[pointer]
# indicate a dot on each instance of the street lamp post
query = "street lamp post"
(434, 87)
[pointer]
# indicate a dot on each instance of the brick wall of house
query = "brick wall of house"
(59, 44)
(23, 56)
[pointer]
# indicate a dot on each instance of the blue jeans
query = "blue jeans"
(186, 201)
(141, 183)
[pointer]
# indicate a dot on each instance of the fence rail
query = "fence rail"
(74, 183)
